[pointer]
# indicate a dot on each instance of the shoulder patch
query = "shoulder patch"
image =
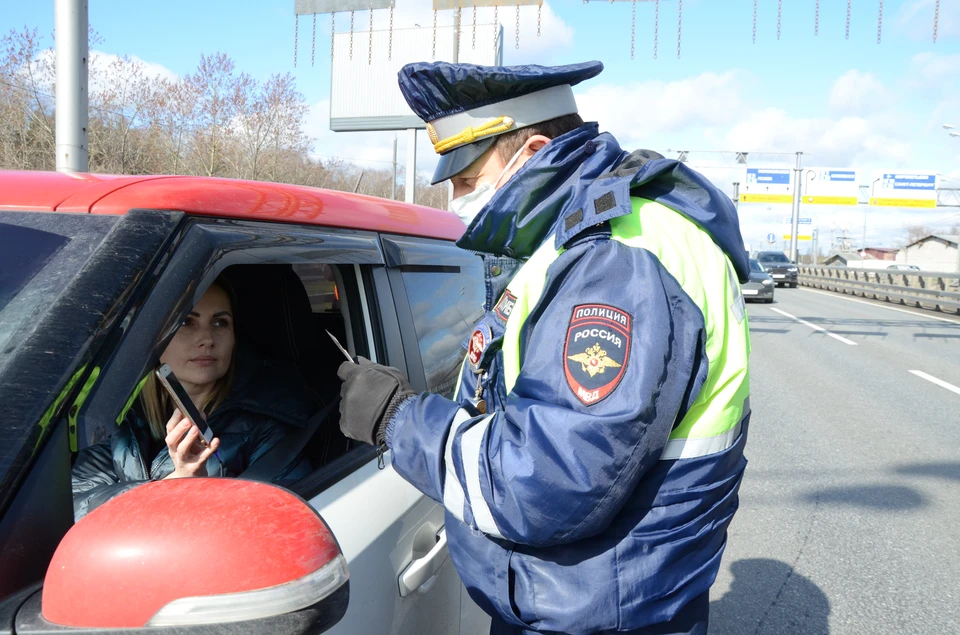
(505, 306)
(596, 350)
(478, 343)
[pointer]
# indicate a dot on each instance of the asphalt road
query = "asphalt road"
(849, 516)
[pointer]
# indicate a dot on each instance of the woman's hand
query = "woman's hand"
(188, 453)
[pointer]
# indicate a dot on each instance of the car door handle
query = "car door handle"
(422, 569)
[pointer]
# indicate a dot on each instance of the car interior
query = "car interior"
(285, 323)
(283, 313)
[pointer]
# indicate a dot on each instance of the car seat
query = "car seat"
(274, 317)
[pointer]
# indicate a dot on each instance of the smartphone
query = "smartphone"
(184, 403)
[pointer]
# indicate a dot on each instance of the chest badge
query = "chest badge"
(505, 306)
(596, 351)
(479, 341)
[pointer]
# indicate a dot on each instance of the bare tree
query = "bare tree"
(212, 122)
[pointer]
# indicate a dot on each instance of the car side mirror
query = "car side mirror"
(204, 555)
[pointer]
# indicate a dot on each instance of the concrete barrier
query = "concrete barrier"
(932, 290)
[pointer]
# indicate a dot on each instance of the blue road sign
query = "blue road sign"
(839, 176)
(771, 238)
(768, 176)
(806, 221)
(914, 182)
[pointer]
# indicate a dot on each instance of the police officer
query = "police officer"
(590, 461)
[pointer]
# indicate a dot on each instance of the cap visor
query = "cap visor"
(456, 161)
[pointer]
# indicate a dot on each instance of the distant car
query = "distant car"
(904, 267)
(760, 287)
(779, 267)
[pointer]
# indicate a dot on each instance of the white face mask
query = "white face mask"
(469, 205)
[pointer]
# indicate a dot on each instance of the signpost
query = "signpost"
(767, 185)
(830, 186)
(804, 227)
(771, 238)
(903, 189)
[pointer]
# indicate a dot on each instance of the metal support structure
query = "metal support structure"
(736, 195)
(410, 184)
(71, 23)
(393, 188)
(795, 224)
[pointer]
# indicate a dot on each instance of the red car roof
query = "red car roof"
(226, 198)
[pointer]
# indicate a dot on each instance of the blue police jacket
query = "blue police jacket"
(591, 460)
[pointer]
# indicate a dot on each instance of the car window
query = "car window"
(774, 258)
(446, 305)
(40, 254)
(320, 283)
(756, 266)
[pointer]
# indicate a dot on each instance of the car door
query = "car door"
(402, 580)
(385, 527)
(439, 290)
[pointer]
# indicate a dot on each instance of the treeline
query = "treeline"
(215, 121)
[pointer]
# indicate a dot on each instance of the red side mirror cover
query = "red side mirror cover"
(179, 538)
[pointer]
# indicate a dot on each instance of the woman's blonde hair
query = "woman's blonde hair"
(157, 404)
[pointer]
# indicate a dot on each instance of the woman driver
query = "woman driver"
(248, 405)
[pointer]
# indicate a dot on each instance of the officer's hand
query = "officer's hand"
(369, 398)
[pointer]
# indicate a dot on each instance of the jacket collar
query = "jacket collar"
(525, 211)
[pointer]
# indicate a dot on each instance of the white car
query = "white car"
(900, 267)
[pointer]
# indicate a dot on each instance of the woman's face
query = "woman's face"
(202, 348)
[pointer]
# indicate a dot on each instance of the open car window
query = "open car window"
(289, 293)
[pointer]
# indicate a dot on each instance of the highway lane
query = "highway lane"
(851, 502)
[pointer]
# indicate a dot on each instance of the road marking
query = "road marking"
(934, 380)
(879, 304)
(816, 328)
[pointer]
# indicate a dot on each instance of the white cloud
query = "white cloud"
(639, 112)
(104, 62)
(856, 93)
(915, 18)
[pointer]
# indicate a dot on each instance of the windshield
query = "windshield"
(774, 257)
(40, 253)
(756, 266)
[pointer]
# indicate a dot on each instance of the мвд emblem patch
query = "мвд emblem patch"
(596, 350)
(478, 343)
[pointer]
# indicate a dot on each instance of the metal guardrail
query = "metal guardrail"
(922, 289)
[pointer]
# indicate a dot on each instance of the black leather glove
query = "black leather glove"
(369, 398)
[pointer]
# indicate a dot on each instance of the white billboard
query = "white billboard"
(892, 188)
(364, 94)
(830, 186)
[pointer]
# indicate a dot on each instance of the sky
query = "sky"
(843, 102)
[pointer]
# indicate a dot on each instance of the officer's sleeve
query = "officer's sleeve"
(611, 355)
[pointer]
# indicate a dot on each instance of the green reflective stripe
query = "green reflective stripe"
(712, 422)
(77, 404)
(694, 447)
(671, 237)
(129, 404)
(48, 415)
(527, 286)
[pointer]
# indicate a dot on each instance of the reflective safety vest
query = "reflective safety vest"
(712, 424)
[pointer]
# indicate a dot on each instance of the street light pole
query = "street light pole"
(72, 52)
(796, 209)
(865, 209)
(736, 195)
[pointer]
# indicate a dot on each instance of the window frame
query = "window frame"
(205, 247)
(405, 254)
